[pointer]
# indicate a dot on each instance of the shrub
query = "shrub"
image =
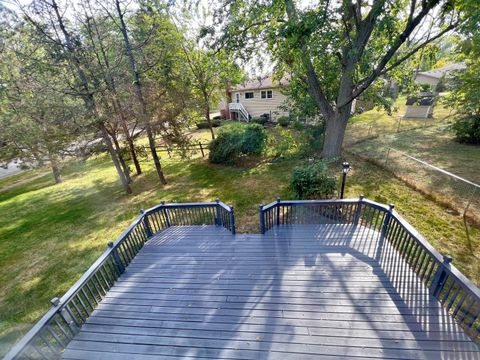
(467, 130)
(297, 125)
(204, 124)
(235, 140)
(259, 120)
(283, 121)
(253, 140)
(312, 181)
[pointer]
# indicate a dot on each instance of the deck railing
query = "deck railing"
(454, 291)
(51, 334)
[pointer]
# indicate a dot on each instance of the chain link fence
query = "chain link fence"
(460, 196)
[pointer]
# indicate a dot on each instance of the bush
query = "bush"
(283, 121)
(312, 181)
(467, 130)
(204, 124)
(297, 125)
(259, 120)
(236, 140)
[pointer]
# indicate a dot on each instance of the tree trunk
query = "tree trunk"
(125, 168)
(210, 125)
(153, 150)
(131, 146)
(113, 155)
(55, 170)
(139, 94)
(335, 132)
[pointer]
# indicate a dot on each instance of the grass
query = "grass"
(50, 234)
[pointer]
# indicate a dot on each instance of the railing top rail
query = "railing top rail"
(309, 202)
(189, 205)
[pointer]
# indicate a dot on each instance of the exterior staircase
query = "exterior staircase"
(240, 110)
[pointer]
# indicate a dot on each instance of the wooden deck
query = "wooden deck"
(297, 292)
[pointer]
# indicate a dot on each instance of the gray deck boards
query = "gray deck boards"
(299, 292)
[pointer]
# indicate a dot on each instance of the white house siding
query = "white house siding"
(258, 106)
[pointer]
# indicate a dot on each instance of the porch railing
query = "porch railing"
(453, 290)
(51, 334)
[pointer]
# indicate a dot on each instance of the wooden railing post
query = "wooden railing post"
(166, 213)
(116, 258)
(359, 210)
(201, 148)
(262, 223)
(232, 220)
(146, 224)
(278, 211)
(386, 221)
(440, 276)
(218, 220)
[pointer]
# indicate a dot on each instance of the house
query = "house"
(421, 105)
(433, 77)
(255, 98)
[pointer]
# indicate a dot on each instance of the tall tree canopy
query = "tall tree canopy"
(336, 50)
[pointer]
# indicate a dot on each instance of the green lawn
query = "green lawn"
(50, 234)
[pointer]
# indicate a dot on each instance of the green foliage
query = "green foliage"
(316, 134)
(285, 143)
(283, 121)
(206, 125)
(467, 130)
(235, 140)
(262, 120)
(312, 181)
(297, 125)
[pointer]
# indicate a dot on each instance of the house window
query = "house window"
(237, 97)
(267, 94)
(249, 95)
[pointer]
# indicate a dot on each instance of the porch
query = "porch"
(327, 279)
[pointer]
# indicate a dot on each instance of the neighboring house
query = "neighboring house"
(433, 77)
(255, 98)
(421, 105)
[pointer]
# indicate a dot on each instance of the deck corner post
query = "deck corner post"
(166, 214)
(146, 224)
(386, 221)
(218, 220)
(358, 211)
(116, 258)
(278, 211)
(232, 220)
(440, 277)
(262, 224)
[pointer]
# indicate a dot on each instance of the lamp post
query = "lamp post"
(345, 169)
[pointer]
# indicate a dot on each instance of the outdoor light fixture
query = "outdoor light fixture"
(345, 169)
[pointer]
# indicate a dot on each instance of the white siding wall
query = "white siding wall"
(258, 106)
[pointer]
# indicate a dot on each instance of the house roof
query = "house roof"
(443, 71)
(260, 83)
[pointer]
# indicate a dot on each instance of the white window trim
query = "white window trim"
(266, 94)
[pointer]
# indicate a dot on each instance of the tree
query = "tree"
(119, 18)
(66, 51)
(337, 49)
(211, 73)
(38, 124)
(100, 35)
